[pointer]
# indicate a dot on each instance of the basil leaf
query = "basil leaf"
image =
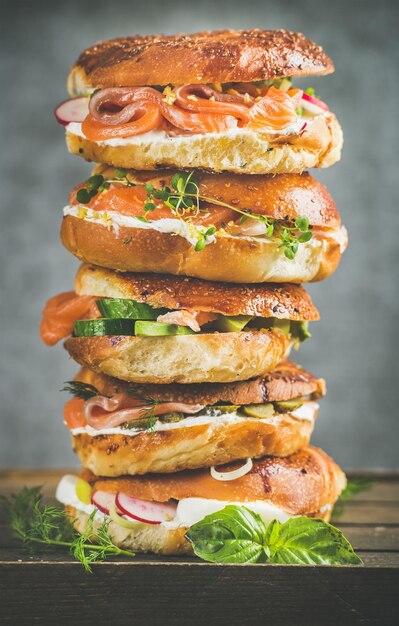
(305, 541)
(233, 535)
(238, 535)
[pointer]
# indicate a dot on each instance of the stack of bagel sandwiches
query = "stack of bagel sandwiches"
(196, 230)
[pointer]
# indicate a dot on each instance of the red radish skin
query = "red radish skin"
(72, 110)
(103, 500)
(315, 101)
(144, 510)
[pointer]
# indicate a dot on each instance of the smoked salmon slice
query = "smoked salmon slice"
(60, 313)
(130, 201)
(275, 110)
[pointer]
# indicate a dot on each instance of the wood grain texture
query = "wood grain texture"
(52, 588)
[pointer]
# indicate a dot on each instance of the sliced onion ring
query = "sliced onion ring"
(234, 474)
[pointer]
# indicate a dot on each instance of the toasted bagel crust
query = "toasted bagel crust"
(305, 483)
(283, 197)
(302, 483)
(283, 301)
(229, 259)
(288, 380)
(191, 447)
(217, 357)
(319, 146)
(205, 57)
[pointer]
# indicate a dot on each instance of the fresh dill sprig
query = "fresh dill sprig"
(148, 408)
(35, 523)
(80, 390)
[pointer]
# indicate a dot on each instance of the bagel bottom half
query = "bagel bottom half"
(241, 152)
(212, 443)
(214, 357)
(307, 483)
(229, 258)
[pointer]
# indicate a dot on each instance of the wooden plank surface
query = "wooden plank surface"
(52, 588)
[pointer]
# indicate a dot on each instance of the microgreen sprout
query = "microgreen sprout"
(183, 198)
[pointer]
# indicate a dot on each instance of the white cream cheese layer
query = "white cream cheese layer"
(189, 231)
(188, 512)
(115, 220)
(215, 419)
(161, 136)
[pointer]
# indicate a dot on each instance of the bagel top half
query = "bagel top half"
(207, 57)
(209, 348)
(218, 239)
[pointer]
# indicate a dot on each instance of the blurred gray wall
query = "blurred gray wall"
(353, 346)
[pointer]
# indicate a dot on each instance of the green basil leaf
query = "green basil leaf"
(233, 535)
(305, 237)
(302, 222)
(305, 541)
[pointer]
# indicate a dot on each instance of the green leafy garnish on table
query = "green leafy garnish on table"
(353, 487)
(238, 535)
(35, 523)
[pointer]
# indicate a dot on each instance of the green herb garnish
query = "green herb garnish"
(36, 523)
(238, 535)
(353, 487)
(80, 389)
(183, 198)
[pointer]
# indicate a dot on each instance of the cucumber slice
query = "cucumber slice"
(101, 327)
(232, 323)
(260, 411)
(299, 330)
(284, 406)
(127, 309)
(283, 325)
(156, 329)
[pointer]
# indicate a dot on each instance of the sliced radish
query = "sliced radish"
(103, 500)
(72, 110)
(313, 105)
(144, 510)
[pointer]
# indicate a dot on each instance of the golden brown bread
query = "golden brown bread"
(283, 301)
(230, 259)
(205, 57)
(288, 380)
(156, 538)
(306, 483)
(216, 357)
(203, 444)
(300, 484)
(283, 197)
(190, 447)
(245, 152)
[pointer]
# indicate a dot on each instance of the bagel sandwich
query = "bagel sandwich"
(152, 513)
(117, 429)
(145, 328)
(224, 227)
(216, 100)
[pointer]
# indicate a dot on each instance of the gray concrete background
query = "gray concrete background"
(353, 346)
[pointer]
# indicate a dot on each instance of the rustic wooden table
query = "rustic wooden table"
(53, 589)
